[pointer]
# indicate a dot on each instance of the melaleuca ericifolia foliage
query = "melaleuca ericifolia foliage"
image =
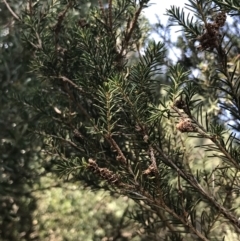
(103, 122)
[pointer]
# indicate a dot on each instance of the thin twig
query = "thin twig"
(65, 79)
(215, 218)
(186, 223)
(117, 148)
(59, 138)
(58, 25)
(101, 7)
(180, 193)
(30, 7)
(39, 40)
(11, 11)
(130, 28)
(160, 204)
(110, 14)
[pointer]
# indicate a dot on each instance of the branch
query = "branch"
(101, 7)
(59, 138)
(65, 79)
(131, 27)
(194, 183)
(11, 11)
(110, 13)
(160, 204)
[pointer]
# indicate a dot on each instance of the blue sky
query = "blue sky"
(158, 7)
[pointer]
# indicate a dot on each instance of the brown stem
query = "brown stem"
(194, 183)
(59, 138)
(160, 204)
(65, 79)
(131, 27)
(215, 219)
(186, 223)
(101, 7)
(30, 7)
(11, 11)
(110, 13)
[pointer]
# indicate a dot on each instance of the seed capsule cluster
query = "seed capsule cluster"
(211, 37)
(186, 125)
(104, 173)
